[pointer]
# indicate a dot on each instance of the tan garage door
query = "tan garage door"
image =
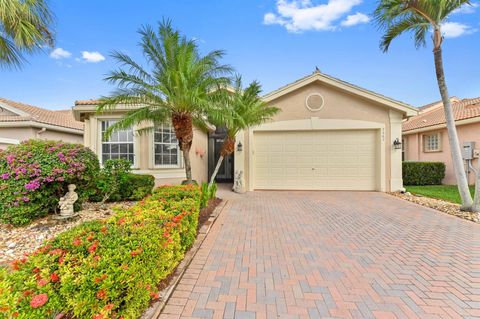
(315, 160)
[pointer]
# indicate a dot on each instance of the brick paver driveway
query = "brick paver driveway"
(332, 254)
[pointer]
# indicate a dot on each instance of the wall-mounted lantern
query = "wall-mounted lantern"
(397, 144)
(239, 147)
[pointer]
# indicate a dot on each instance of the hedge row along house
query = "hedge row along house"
(425, 137)
(328, 135)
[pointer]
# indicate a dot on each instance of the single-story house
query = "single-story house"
(19, 122)
(329, 135)
(425, 136)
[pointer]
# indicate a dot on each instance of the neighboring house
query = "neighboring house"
(19, 122)
(425, 136)
(155, 152)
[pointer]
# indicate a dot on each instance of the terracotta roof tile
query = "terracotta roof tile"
(62, 118)
(86, 102)
(462, 110)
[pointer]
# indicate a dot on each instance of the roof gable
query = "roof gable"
(408, 110)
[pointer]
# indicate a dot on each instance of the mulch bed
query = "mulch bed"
(440, 205)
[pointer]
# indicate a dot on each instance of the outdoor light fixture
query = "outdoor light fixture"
(239, 147)
(397, 144)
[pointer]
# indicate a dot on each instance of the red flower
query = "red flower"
(61, 259)
(101, 278)
(154, 295)
(54, 277)
(121, 221)
(109, 306)
(36, 270)
(101, 294)
(166, 234)
(103, 229)
(98, 316)
(77, 242)
(39, 300)
(42, 282)
(57, 251)
(90, 237)
(93, 247)
(27, 293)
(16, 265)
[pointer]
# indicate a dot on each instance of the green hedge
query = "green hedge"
(423, 173)
(105, 268)
(133, 187)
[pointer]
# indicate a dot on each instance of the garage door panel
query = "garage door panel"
(323, 160)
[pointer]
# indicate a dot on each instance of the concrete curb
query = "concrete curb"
(154, 311)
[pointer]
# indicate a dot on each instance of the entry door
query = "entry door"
(225, 173)
(315, 160)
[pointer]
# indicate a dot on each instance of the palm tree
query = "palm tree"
(25, 27)
(175, 88)
(237, 110)
(396, 17)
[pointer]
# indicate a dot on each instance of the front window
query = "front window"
(119, 145)
(432, 142)
(166, 149)
(404, 149)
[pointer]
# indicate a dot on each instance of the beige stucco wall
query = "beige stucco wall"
(143, 147)
(344, 106)
(24, 133)
(466, 133)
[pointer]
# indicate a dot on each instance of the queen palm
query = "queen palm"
(236, 109)
(25, 27)
(175, 87)
(419, 17)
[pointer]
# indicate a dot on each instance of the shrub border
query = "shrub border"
(156, 308)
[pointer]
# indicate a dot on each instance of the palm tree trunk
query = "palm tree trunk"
(215, 172)
(476, 199)
(183, 126)
(457, 160)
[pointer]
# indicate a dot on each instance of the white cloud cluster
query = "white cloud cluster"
(467, 8)
(92, 57)
(59, 53)
(303, 15)
(456, 29)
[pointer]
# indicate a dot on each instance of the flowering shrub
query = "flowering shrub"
(35, 173)
(104, 269)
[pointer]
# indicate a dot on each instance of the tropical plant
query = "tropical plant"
(396, 17)
(175, 87)
(25, 27)
(237, 109)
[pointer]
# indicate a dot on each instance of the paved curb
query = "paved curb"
(156, 308)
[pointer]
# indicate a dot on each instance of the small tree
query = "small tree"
(176, 87)
(236, 111)
(397, 17)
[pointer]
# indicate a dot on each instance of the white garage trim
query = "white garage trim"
(313, 124)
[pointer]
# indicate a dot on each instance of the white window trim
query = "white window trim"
(425, 144)
(152, 165)
(136, 146)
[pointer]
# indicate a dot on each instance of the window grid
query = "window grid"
(120, 145)
(432, 142)
(166, 149)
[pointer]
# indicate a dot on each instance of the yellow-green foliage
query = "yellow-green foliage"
(105, 269)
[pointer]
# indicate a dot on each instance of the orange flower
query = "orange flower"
(42, 282)
(93, 247)
(39, 300)
(101, 294)
(154, 295)
(77, 242)
(101, 278)
(36, 270)
(103, 229)
(109, 306)
(54, 277)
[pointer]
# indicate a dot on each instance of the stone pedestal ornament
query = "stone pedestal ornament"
(238, 184)
(66, 203)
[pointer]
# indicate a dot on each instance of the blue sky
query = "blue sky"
(274, 42)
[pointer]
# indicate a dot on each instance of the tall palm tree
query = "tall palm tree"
(396, 17)
(25, 27)
(237, 110)
(175, 87)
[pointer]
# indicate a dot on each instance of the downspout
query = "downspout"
(43, 130)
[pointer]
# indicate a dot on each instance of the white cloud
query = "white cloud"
(60, 53)
(92, 57)
(455, 29)
(355, 19)
(303, 15)
(467, 8)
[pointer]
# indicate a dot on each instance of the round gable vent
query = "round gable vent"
(315, 102)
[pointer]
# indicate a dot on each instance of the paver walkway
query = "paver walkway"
(332, 255)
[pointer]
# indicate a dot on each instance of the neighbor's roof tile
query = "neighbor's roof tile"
(62, 118)
(462, 110)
